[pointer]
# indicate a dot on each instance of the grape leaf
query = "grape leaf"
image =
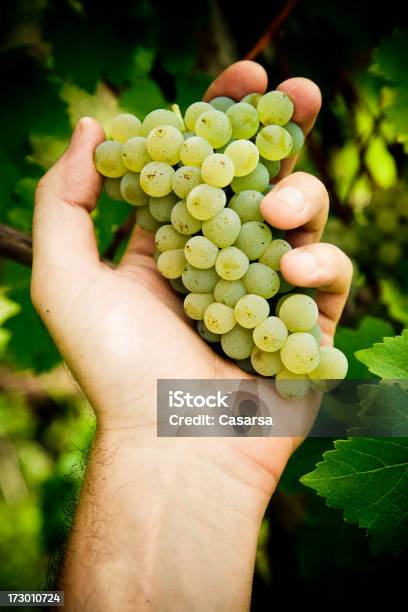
(368, 479)
(102, 105)
(302, 460)
(384, 411)
(388, 359)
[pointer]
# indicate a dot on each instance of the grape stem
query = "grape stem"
(176, 109)
(271, 30)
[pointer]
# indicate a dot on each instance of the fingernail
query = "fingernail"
(292, 196)
(305, 262)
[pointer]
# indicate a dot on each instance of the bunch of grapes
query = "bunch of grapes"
(198, 183)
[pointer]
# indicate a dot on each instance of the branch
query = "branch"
(120, 234)
(272, 29)
(15, 245)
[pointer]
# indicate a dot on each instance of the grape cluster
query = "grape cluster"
(198, 182)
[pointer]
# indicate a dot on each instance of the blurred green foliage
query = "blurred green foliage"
(60, 60)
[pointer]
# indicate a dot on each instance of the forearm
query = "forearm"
(160, 527)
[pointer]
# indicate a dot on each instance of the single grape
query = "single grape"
(158, 117)
(298, 138)
(246, 204)
(299, 312)
(193, 112)
(251, 310)
(195, 305)
(219, 318)
(182, 221)
(145, 220)
(205, 201)
(231, 263)
(185, 179)
(214, 126)
(156, 179)
(270, 335)
(261, 280)
(264, 363)
(300, 353)
(134, 154)
(229, 292)
(245, 365)
(125, 126)
(195, 150)
(199, 281)
(257, 180)
(217, 170)
(253, 239)
(222, 103)
(290, 385)
(171, 263)
(206, 334)
(108, 159)
(273, 253)
(275, 107)
(244, 156)
(201, 252)
(223, 228)
(332, 366)
(168, 239)
(273, 166)
(112, 188)
(132, 191)
(252, 98)
(237, 343)
(160, 208)
(274, 142)
(279, 304)
(177, 284)
(244, 120)
(164, 144)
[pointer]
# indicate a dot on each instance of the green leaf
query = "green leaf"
(302, 460)
(102, 104)
(389, 359)
(143, 96)
(370, 330)
(368, 479)
(395, 301)
(384, 411)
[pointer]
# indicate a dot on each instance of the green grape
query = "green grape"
(205, 201)
(270, 335)
(217, 170)
(132, 191)
(196, 304)
(316, 332)
(112, 188)
(246, 204)
(245, 365)
(274, 142)
(273, 253)
(164, 144)
(300, 353)
(275, 107)
(231, 264)
(177, 284)
(171, 263)
(160, 208)
(222, 103)
(290, 385)
(261, 280)
(158, 117)
(145, 220)
(206, 334)
(229, 292)
(156, 254)
(273, 166)
(244, 156)
(223, 228)
(219, 318)
(214, 126)
(156, 179)
(237, 343)
(266, 364)
(199, 281)
(193, 112)
(257, 180)
(134, 154)
(244, 120)
(125, 126)
(299, 312)
(332, 366)
(168, 239)
(253, 239)
(195, 150)
(185, 179)
(108, 159)
(201, 252)
(252, 99)
(251, 310)
(182, 221)
(298, 138)
(284, 285)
